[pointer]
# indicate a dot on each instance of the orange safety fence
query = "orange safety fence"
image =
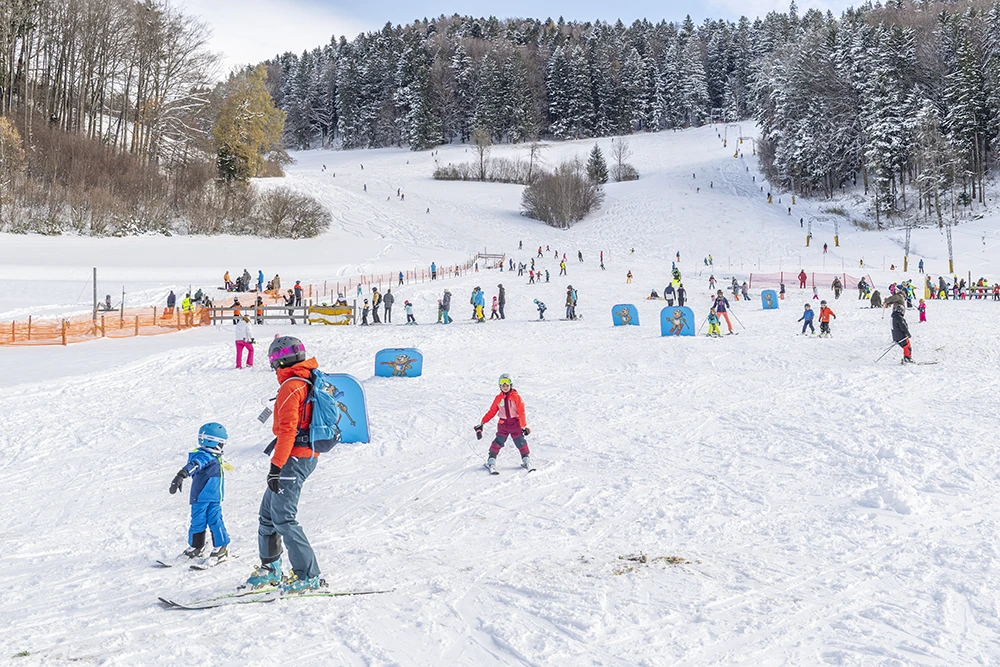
(149, 321)
(155, 320)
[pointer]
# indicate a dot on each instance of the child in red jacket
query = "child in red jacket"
(825, 313)
(512, 422)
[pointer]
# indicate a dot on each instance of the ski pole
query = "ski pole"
(886, 352)
(737, 319)
(702, 324)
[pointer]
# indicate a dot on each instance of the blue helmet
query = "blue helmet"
(212, 435)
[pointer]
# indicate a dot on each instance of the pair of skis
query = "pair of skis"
(195, 563)
(261, 596)
(493, 469)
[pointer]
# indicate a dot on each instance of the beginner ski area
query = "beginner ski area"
(760, 499)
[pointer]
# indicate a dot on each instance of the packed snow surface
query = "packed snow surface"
(764, 498)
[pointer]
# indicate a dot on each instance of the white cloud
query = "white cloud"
(249, 31)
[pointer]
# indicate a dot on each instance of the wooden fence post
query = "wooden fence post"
(64, 332)
(178, 313)
(29, 327)
(102, 326)
(136, 325)
(13, 336)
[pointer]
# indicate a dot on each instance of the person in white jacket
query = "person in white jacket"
(244, 340)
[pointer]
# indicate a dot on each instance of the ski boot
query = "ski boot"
(219, 555)
(265, 575)
(195, 552)
(526, 462)
(291, 584)
(491, 465)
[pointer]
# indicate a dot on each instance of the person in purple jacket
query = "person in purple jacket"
(721, 306)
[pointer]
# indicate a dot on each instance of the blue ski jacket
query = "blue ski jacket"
(204, 467)
(807, 315)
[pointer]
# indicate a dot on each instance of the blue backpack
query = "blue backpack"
(324, 428)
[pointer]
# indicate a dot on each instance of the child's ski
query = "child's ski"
(263, 595)
(176, 561)
(209, 562)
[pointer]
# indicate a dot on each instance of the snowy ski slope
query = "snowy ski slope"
(797, 504)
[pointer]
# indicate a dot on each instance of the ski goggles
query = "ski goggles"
(505, 382)
(277, 355)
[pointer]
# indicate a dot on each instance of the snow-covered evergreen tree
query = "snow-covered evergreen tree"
(597, 168)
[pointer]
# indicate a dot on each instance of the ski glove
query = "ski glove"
(525, 431)
(478, 428)
(272, 478)
(178, 480)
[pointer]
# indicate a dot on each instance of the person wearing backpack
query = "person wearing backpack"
(292, 461)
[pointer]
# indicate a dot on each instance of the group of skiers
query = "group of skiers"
(384, 301)
(244, 283)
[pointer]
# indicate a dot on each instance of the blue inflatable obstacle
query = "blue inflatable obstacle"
(624, 314)
(352, 407)
(769, 299)
(676, 321)
(399, 362)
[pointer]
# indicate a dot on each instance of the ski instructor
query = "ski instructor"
(292, 461)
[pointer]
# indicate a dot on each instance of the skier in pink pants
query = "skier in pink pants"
(512, 423)
(244, 340)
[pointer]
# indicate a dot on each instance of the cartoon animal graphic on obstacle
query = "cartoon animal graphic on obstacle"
(400, 365)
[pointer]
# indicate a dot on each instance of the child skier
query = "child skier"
(714, 329)
(408, 307)
(922, 309)
(364, 314)
(825, 313)
(493, 310)
(815, 293)
(807, 320)
(781, 291)
(205, 468)
(440, 312)
(901, 332)
(512, 422)
(541, 309)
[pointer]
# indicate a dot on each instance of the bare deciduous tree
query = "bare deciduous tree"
(482, 141)
(563, 197)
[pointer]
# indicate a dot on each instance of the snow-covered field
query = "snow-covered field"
(797, 503)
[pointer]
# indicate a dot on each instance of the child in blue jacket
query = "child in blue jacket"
(206, 469)
(807, 319)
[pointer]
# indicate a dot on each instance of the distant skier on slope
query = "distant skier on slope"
(825, 313)
(721, 306)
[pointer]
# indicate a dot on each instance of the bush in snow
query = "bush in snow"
(498, 170)
(563, 197)
(285, 213)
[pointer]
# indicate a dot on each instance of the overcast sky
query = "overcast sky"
(248, 31)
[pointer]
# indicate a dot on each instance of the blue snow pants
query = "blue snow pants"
(277, 520)
(208, 514)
